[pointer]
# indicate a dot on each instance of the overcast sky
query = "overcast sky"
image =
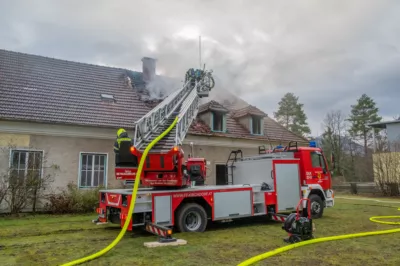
(326, 52)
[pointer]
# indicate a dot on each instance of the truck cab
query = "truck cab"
(315, 176)
(196, 168)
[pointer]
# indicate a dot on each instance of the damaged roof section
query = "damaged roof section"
(150, 87)
(200, 127)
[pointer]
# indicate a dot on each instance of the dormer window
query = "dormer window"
(251, 118)
(214, 114)
(218, 121)
(256, 125)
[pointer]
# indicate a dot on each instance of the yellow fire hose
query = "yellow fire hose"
(375, 219)
(132, 205)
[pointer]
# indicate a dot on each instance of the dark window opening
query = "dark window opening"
(218, 122)
(256, 125)
(221, 174)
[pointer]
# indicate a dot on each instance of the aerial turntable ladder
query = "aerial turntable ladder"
(164, 166)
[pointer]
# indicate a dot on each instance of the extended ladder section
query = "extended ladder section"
(183, 103)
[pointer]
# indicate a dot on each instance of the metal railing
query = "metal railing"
(149, 122)
(187, 98)
(189, 110)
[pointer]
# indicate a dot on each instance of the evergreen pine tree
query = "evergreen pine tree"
(291, 115)
(362, 114)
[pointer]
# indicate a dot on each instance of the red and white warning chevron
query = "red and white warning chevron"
(156, 231)
(278, 218)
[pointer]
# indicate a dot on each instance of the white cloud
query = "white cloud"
(188, 32)
(261, 36)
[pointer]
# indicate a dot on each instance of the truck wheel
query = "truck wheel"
(191, 218)
(317, 206)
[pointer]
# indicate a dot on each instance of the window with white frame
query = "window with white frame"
(93, 170)
(25, 164)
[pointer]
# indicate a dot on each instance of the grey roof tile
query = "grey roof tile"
(43, 89)
(248, 110)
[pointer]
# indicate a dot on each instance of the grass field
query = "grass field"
(52, 240)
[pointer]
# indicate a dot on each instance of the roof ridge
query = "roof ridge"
(213, 101)
(65, 60)
(249, 110)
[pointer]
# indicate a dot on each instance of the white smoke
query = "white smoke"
(161, 87)
(224, 96)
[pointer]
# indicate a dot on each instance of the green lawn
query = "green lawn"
(52, 240)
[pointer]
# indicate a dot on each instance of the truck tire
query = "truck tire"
(191, 218)
(317, 206)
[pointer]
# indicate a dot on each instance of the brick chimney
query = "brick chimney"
(149, 69)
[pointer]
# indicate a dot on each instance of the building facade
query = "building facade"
(392, 129)
(63, 115)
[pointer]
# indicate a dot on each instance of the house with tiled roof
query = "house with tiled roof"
(69, 112)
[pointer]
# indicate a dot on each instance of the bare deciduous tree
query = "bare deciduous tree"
(335, 126)
(25, 179)
(351, 162)
(3, 190)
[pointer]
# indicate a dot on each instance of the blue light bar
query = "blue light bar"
(313, 144)
(279, 147)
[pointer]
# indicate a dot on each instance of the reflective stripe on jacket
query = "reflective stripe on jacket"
(122, 136)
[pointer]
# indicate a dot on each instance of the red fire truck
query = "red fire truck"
(175, 194)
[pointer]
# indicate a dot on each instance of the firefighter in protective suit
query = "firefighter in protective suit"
(122, 135)
(131, 160)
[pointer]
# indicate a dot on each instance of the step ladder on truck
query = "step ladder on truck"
(269, 184)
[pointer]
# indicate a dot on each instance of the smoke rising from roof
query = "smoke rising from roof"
(161, 87)
(156, 90)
